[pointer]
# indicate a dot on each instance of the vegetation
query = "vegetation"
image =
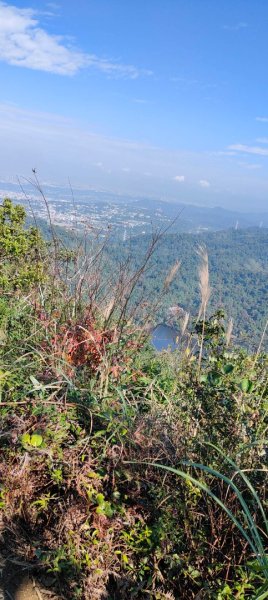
(125, 473)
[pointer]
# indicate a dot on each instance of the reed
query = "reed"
(205, 292)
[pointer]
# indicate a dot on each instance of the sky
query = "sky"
(157, 98)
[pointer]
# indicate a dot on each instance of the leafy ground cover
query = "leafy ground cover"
(124, 474)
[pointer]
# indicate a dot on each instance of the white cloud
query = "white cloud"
(262, 140)
(236, 27)
(204, 183)
(179, 178)
(249, 149)
(24, 43)
(262, 119)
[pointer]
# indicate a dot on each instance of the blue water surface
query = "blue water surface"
(164, 337)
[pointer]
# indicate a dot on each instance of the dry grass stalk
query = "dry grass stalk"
(205, 292)
(185, 323)
(171, 275)
(229, 331)
(261, 341)
(204, 286)
(109, 308)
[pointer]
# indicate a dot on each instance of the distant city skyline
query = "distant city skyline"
(163, 98)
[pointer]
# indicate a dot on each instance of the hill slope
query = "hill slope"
(238, 269)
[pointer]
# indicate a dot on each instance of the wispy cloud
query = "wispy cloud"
(24, 43)
(53, 5)
(223, 153)
(187, 84)
(262, 140)
(179, 178)
(262, 119)
(184, 80)
(236, 26)
(249, 149)
(204, 183)
(250, 166)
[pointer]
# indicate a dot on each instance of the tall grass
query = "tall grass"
(205, 292)
(246, 524)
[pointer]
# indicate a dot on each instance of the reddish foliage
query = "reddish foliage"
(82, 344)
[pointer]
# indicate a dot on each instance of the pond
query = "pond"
(164, 337)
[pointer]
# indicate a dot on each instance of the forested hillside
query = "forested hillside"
(238, 265)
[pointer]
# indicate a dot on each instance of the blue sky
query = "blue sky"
(165, 98)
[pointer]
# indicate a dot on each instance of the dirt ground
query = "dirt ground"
(18, 584)
(25, 591)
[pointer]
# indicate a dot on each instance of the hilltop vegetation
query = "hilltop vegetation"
(125, 474)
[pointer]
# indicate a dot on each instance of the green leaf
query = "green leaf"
(26, 439)
(125, 559)
(194, 573)
(214, 378)
(246, 385)
(100, 510)
(93, 475)
(35, 382)
(99, 433)
(108, 511)
(36, 440)
(263, 596)
(228, 368)
(100, 499)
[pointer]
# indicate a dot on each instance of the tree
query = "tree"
(22, 250)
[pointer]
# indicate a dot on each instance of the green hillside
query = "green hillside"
(238, 265)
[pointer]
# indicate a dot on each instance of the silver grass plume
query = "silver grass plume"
(109, 308)
(205, 295)
(185, 323)
(261, 342)
(229, 331)
(204, 286)
(171, 274)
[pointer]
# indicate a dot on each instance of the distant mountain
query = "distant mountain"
(192, 217)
